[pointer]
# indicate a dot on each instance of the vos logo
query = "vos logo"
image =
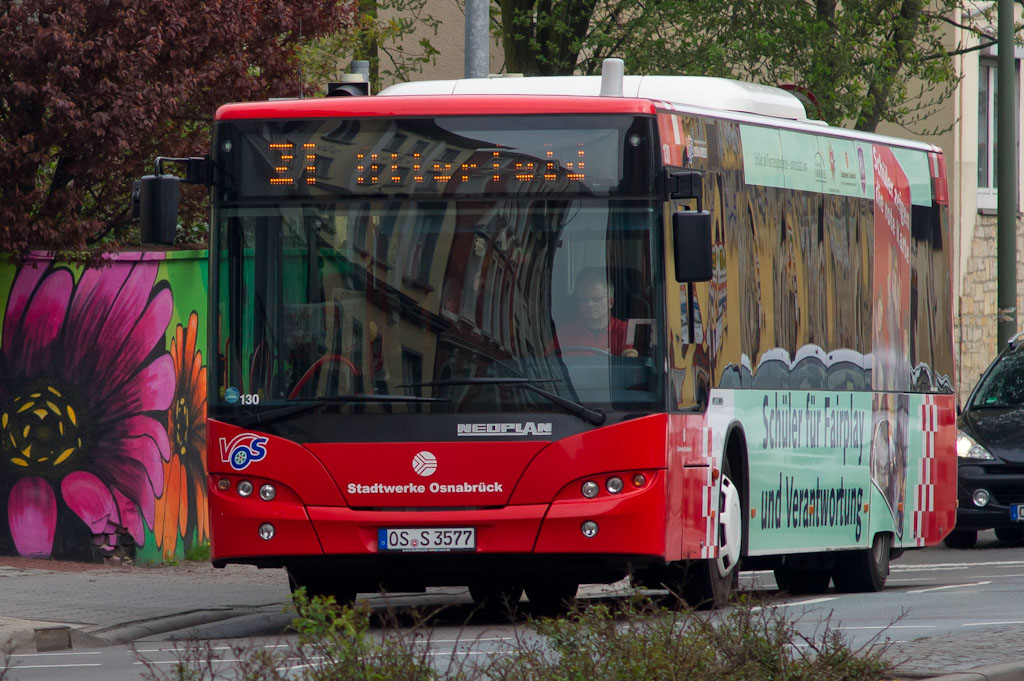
(243, 450)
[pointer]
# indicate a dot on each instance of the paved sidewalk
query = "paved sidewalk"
(103, 605)
(47, 605)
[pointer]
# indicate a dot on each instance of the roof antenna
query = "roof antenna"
(612, 70)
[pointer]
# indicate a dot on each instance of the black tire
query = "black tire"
(961, 539)
(495, 597)
(319, 583)
(801, 581)
(706, 584)
(1012, 535)
(551, 596)
(866, 570)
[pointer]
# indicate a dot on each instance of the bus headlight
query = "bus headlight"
(267, 531)
(267, 492)
(613, 484)
(589, 529)
(590, 489)
(244, 488)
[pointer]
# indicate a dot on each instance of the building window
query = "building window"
(988, 136)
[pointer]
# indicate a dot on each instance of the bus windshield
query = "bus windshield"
(394, 299)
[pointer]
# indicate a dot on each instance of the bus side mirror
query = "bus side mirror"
(691, 242)
(158, 209)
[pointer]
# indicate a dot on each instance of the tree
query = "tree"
(859, 59)
(382, 35)
(91, 92)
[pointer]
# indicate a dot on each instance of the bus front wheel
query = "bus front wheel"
(708, 582)
(552, 596)
(496, 597)
(961, 539)
(319, 583)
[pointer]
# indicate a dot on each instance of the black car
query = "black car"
(990, 453)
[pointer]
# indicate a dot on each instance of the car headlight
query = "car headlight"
(968, 448)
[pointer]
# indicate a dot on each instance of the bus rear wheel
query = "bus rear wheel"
(865, 570)
(802, 581)
(961, 539)
(319, 583)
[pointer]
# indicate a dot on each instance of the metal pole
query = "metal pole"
(1006, 159)
(477, 38)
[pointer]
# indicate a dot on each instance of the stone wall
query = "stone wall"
(977, 338)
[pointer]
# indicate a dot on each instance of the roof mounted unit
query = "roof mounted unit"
(701, 91)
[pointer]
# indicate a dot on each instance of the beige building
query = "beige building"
(971, 166)
(968, 117)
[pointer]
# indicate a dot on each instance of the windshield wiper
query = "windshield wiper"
(307, 403)
(594, 416)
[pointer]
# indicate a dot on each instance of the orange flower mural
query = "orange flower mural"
(181, 512)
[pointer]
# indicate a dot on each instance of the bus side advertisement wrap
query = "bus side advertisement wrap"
(829, 470)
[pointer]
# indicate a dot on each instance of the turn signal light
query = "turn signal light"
(624, 482)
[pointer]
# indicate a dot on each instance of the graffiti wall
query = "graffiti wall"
(103, 407)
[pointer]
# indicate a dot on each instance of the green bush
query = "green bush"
(604, 641)
(639, 640)
(199, 552)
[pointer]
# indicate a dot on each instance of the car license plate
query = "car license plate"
(426, 539)
(1017, 512)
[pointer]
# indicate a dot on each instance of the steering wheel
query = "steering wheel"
(583, 350)
(311, 372)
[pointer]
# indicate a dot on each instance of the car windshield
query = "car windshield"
(1003, 385)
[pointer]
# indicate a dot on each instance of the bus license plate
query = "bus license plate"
(1017, 512)
(426, 539)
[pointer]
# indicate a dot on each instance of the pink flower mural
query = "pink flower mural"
(85, 385)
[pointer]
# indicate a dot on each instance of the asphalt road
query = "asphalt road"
(942, 611)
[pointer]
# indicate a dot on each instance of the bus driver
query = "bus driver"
(595, 327)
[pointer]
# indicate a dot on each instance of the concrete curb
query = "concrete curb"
(30, 636)
(132, 631)
(1007, 671)
(246, 625)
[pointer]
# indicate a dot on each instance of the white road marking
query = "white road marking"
(896, 567)
(795, 603)
(55, 654)
(986, 624)
(896, 626)
(215, 659)
(949, 586)
(53, 666)
(468, 639)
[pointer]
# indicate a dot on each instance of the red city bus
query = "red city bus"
(513, 334)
